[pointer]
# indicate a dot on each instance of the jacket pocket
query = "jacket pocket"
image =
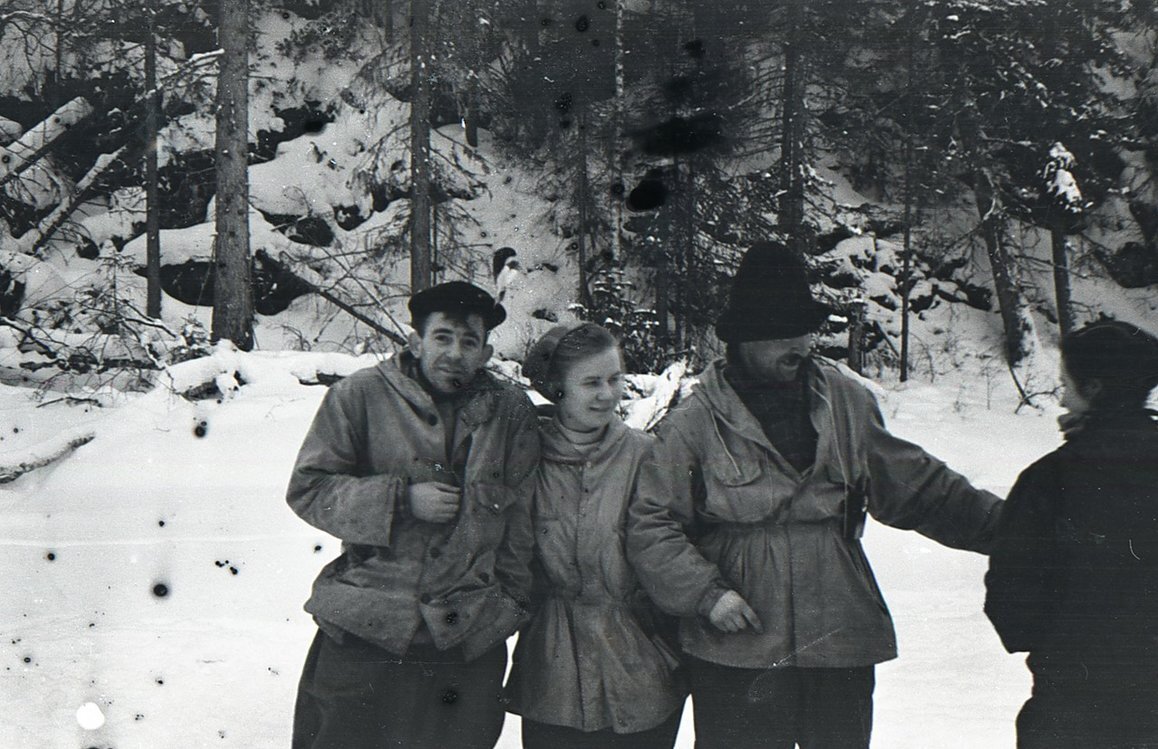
(744, 489)
(737, 469)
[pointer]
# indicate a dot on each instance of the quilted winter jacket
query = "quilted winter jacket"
(717, 509)
(587, 660)
(378, 431)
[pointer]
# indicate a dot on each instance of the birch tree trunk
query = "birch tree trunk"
(232, 268)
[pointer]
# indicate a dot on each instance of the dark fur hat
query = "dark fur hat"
(771, 298)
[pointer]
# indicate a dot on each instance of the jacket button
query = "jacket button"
(425, 598)
(452, 618)
(485, 577)
(435, 553)
(432, 419)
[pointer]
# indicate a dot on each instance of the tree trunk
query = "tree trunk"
(684, 247)
(232, 287)
(152, 207)
(1015, 319)
(907, 260)
(614, 151)
(470, 116)
(791, 218)
(907, 257)
(420, 203)
(1061, 280)
(662, 308)
(584, 200)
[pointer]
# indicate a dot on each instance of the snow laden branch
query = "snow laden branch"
(18, 156)
(53, 221)
(16, 16)
(34, 144)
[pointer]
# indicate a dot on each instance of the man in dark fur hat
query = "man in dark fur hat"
(746, 523)
(420, 465)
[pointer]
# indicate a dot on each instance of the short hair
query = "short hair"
(548, 362)
(1121, 357)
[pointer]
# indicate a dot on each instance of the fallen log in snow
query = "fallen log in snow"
(16, 464)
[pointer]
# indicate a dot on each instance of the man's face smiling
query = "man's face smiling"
(774, 361)
(450, 352)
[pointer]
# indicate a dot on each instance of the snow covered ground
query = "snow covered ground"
(157, 573)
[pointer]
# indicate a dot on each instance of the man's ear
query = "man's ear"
(487, 351)
(415, 342)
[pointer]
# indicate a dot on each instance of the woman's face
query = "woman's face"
(592, 389)
(1072, 398)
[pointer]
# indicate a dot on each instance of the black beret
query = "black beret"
(458, 298)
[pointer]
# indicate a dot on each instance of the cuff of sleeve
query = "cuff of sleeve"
(709, 600)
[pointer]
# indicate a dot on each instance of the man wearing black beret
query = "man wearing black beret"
(421, 466)
(746, 523)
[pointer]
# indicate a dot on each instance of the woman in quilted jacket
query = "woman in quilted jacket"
(592, 668)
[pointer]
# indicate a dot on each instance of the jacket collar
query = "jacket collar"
(558, 449)
(476, 404)
(724, 404)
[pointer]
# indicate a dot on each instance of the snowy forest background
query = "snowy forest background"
(966, 178)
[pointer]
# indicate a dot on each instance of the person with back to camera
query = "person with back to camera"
(422, 466)
(591, 669)
(1073, 577)
(746, 524)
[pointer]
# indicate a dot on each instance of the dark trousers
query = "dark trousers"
(1077, 705)
(546, 736)
(817, 708)
(353, 695)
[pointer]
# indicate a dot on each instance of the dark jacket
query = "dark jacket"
(718, 508)
(1074, 570)
(376, 432)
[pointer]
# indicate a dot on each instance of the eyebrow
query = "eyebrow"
(448, 330)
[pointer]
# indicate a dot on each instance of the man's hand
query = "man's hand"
(733, 614)
(434, 501)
